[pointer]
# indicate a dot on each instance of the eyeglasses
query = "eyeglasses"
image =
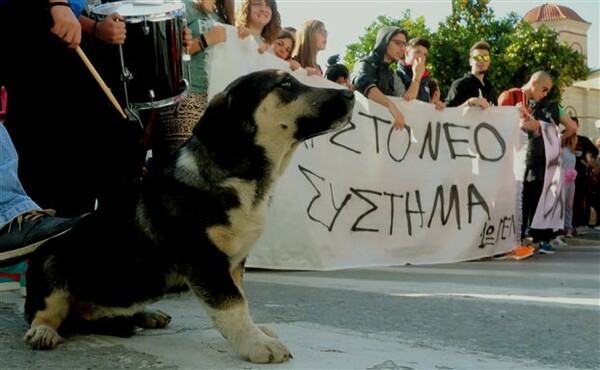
(323, 32)
(261, 4)
(398, 42)
(479, 58)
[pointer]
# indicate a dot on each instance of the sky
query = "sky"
(346, 20)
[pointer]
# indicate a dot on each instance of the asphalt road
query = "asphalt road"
(539, 313)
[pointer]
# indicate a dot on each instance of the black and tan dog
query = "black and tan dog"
(192, 226)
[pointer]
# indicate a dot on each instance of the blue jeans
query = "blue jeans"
(569, 195)
(13, 200)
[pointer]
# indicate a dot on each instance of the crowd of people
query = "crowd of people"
(57, 112)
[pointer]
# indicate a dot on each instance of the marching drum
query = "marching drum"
(151, 58)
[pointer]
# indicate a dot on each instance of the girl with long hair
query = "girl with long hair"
(311, 38)
(261, 19)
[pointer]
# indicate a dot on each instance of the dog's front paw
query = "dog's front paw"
(268, 331)
(153, 319)
(265, 349)
(42, 337)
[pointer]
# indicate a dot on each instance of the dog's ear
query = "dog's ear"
(217, 110)
(220, 100)
(226, 122)
(226, 108)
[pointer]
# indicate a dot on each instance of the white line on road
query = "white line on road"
(509, 297)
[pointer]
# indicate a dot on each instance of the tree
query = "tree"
(531, 50)
(518, 50)
(470, 21)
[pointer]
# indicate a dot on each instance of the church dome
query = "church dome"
(552, 12)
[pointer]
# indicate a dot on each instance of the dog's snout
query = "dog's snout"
(348, 94)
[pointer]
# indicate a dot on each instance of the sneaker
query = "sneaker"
(569, 233)
(10, 276)
(558, 242)
(520, 253)
(26, 232)
(546, 248)
(501, 256)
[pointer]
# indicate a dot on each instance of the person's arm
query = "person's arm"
(294, 65)
(476, 102)
(376, 95)
(215, 35)
(434, 98)
(66, 25)
(530, 125)
(363, 77)
(110, 30)
(570, 127)
(453, 95)
(187, 38)
(527, 122)
(418, 68)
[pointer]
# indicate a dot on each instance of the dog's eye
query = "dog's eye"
(286, 84)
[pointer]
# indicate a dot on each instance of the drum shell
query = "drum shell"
(150, 62)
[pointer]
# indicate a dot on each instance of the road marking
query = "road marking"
(509, 297)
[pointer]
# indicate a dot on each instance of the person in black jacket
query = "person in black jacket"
(337, 72)
(372, 75)
(474, 88)
(584, 151)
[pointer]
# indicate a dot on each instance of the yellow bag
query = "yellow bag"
(593, 217)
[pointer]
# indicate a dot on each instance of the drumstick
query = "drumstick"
(105, 88)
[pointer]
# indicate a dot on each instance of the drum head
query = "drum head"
(147, 10)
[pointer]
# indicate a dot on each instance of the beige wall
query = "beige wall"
(586, 103)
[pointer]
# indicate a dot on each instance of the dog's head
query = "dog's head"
(270, 111)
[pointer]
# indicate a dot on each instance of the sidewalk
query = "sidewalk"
(585, 236)
(452, 316)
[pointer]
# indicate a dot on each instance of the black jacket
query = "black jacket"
(467, 87)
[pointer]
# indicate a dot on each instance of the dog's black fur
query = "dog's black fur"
(192, 227)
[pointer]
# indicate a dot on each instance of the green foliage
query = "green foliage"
(470, 21)
(518, 50)
(533, 50)
(359, 50)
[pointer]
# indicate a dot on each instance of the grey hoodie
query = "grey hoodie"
(372, 71)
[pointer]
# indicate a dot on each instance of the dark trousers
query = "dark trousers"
(533, 185)
(73, 147)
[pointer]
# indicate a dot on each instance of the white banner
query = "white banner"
(445, 189)
(550, 212)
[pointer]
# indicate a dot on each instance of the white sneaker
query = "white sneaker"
(558, 242)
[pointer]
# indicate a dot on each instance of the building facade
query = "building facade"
(582, 99)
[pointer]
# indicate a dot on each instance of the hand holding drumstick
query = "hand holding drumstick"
(110, 30)
(66, 26)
